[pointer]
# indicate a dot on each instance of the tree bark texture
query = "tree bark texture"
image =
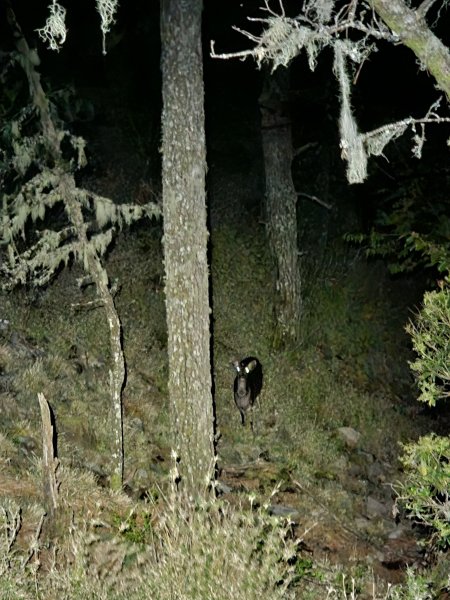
(50, 462)
(281, 203)
(411, 27)
(185, 245)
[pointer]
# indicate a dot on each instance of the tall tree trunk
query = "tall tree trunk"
(281, 202)
(185, 244)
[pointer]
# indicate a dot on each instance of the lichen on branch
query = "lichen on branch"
(353, 33)
(38, 244)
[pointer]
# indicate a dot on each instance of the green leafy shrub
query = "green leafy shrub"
(411, 229)
(431, 341)
(136, 528)
(425, 493)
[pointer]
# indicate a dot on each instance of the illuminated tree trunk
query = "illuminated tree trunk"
(281, 203)
(185, 245)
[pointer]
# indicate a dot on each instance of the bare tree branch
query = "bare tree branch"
(398, 23)
(352, 31)
(425, 7)
(227, 55)
(285, 37)
(316, 199)
(413, 32)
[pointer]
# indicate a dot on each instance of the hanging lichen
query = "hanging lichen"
(37, 252)
(352, 145)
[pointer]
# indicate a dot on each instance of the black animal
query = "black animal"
(247, 384)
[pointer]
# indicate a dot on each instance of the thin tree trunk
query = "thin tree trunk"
(185, 245)
(281, 203)
(50, 462)
(93, 266)
(91, 259)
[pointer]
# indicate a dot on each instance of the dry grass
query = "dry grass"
(101, 548)
(212, 551)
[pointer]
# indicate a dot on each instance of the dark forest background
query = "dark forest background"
(339, 433)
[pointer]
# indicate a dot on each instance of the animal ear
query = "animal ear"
(251, 365)
(236, 365)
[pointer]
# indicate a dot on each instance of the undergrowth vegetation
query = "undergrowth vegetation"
(414, 232)
(430, 334)
(425, 491)
(159, 548)
(169, 550)
(214, 551)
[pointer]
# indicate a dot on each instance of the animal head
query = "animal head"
(244, 368)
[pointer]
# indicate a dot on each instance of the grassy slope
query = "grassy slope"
(346, 371)
(339, 375)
